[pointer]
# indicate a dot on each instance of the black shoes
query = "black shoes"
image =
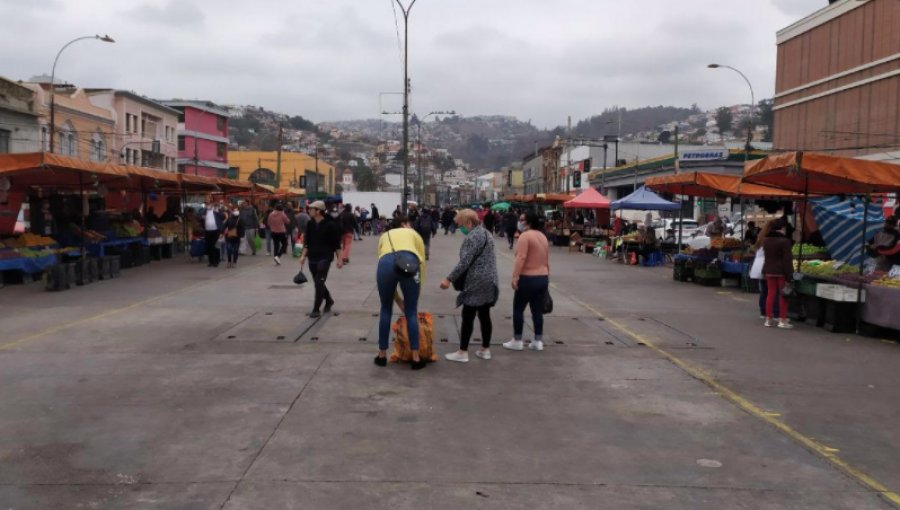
(381, 362)
(315, 314)
(418, 365)
(328, 305)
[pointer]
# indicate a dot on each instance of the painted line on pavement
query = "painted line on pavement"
(824, 451)
(67, 325)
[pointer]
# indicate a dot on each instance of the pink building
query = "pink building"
(202, 138)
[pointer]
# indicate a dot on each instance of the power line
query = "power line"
(397, 28)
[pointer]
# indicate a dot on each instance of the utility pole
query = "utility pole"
(405, 11)
(316, 190)
(675, 163)
(568, 152)
(278, 163)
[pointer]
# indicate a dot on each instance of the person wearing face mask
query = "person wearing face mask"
(322, 244)
(477, 267)
(233, 231)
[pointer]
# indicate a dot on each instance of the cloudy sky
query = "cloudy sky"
(330, 59)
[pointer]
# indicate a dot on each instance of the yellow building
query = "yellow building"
(262, 166)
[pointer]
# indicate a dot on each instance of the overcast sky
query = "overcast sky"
(329, 59)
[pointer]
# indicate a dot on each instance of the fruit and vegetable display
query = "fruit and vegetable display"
(827, 268)
(887, 281)
(725, 243)
(28, 240)
(170, 229)
(91, 236)
(810, 251)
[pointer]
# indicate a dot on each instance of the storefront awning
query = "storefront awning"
(821, 174)
(706, 184)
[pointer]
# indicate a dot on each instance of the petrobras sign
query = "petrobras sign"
(705, 155)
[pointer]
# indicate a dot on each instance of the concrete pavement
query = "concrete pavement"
(180, 386)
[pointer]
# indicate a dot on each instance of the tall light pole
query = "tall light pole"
(419, 152)
(405, 11)
(104, 38)
(752, 106)
(749, 131)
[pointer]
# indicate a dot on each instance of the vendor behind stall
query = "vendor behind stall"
(885, 246)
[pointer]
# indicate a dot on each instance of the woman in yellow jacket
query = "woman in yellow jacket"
(405, 245)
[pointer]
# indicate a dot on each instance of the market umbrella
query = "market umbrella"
(644, 200)
(589, 199)
(500, 206)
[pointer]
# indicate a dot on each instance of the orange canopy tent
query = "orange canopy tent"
(820, 174)
(705, 184)
(42, 169)
(589, 199)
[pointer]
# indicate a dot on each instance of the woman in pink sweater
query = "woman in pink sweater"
(530, 280)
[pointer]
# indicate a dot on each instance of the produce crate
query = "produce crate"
(806, 287)
(115, 267)
(142, 254)
(708, 282)
(86, 271)
(708, 273)
(839, 317)
(840, 293)
(682, 273)
(12, 277)
(813, 310)
(60, 277)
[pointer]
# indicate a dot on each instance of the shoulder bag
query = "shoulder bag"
(406, 264)
(459, 284)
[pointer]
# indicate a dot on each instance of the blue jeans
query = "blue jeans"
(763, 294)
(268, 241)
(388, 278)
(530, 293)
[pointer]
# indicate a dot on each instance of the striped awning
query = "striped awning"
(840, 223)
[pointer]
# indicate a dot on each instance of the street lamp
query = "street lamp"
(752, 106)
(104, 38)
(419, 151)
(405, 11)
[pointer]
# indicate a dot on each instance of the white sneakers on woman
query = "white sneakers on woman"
(463, 357)
(519, 345)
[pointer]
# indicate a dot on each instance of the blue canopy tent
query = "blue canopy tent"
(644, 200)
(840, 221)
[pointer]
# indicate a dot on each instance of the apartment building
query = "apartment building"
(202, 135)
(145, 132)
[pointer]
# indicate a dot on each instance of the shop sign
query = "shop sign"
(705, 155)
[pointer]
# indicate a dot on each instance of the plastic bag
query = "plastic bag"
(244, 248)
(300, 278)
(257, 243)
(402, 351)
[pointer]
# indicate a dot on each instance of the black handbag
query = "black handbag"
(405, 263)
(548, 302)
(300, 278)
(459, 284)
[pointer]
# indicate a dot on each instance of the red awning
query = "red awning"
(589, 199)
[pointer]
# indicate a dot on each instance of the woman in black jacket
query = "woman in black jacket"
(233, 230)
(778, 270)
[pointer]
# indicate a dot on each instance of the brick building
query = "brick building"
(838, 81)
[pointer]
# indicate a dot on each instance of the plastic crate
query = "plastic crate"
(806, 287)
(708, 282)
(708, 274)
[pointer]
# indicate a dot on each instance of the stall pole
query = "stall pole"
(184, 226)
(81, 212)
(862, 261)
(680, 217)
(144, 216)
(803, 221)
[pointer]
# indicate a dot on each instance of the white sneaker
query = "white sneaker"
(768, 323)
(455, 356)
(536, 345)
(483, 354)
(514, 345)
(277, 261)
(784, 324)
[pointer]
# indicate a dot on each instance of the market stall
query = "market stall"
(724, 257)
(627, 246)
(92, 217)
(844, 295)
(588, 234)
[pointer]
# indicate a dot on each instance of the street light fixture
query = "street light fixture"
(752, 106)
(406, 11)
(104, 38)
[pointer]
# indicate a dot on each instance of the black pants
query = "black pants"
(279, 244)
(468, 324)
(319, 271)
(212, 253)
(511, 237)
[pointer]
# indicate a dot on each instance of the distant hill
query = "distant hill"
(638, 120)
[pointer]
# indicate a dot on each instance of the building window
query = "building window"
(220, 124)
(127, 122)
(181, 143)
(45, 140)
(180, 115)
(220, 149)
(4, 140)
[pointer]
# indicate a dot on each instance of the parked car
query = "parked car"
(688, 227)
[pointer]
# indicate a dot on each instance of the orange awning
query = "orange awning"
(706, 184)
(814, 173)
(44, 169)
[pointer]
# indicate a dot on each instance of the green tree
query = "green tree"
(366, 181)
(664, 137)
(724, 119)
